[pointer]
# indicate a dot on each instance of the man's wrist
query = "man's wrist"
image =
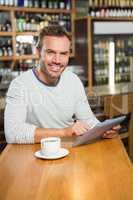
(68, 132)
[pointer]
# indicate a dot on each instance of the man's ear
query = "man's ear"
(38, 52)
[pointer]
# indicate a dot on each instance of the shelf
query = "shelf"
(27, 33)
(105, 18)
(26, 57)
(32, 33)
(46, 10)
(23, 57)
(6, 58)
(112, 18)
(6, 33)
(110, 7)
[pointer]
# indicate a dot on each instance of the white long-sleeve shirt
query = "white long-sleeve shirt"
(31, 104)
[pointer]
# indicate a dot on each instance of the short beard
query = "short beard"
(51, 79)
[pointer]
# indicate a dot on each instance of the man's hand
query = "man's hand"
(112, 133)
(78, 128)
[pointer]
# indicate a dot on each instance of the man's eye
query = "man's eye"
(50, 52)
(64, 54)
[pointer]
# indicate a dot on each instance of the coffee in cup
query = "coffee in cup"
(50, 145)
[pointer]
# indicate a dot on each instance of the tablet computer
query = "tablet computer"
(97, 131)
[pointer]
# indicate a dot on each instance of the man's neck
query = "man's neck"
(41, 76)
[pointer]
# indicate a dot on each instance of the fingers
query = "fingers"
(79, 128)
(110, 134)
(116, 128)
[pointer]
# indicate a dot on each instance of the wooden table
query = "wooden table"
(98, 171)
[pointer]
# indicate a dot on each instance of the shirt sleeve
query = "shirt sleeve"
(83, 111)
(16, 128)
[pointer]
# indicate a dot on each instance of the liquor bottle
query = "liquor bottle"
(43, 4)
(50, 4)
(61, 4)
(21, 3)
(4, 49)
(15, 3)
(30, 3)
(3, 27)
(2, 2)
(61, 21)
(6, 2)
(9, 47)
(21, 21)
(55, 4)
(8, 26)
(68, 4)
(33, 23)
(36, 4)
(26, 3)
(11, 3)
(68, 22)
(1, 51)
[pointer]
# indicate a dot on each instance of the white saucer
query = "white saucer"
(62, 153)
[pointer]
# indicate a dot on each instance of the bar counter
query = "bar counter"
(121, 88)
(101, 170)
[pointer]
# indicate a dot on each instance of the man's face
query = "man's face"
(54, 57)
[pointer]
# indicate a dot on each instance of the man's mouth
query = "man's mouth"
(55, 68)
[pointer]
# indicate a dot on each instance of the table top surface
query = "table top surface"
(120, 88)
(97, 171)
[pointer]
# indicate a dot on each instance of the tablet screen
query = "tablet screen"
(97, 131)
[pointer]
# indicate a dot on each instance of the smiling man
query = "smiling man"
(42, 101)
(54, 56)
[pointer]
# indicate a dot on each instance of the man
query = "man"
(42, 102)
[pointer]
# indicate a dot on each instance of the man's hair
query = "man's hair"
(51, 30)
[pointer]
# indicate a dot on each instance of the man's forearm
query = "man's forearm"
(78, 128)
(51, 132)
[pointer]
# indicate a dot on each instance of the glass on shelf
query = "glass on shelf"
(6, 46)
(25, 45)
(101, 65)
(95, 102)
(5, 22)
(124, 61)
(5, 75)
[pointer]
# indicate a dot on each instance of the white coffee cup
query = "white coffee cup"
(50, 145)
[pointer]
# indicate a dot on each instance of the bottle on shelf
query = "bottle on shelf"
(2, 2)
(50, 4)
(23, 65)
(101, 62)
(122, 69)
(6, 25)
(9, 47)
(23, 48)
(26, 3)
(21, 3)
(43, 4)
(6, 47)
(20, 21)
(68, 4)
(1, 51)
(62, 4)
(15, 3)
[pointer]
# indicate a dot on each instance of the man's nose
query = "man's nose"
(56, 58)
